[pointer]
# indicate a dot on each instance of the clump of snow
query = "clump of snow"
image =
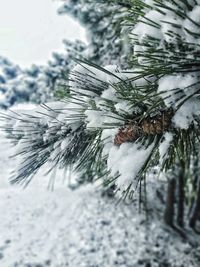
(107, 138)
(109, 94)
(127, 160)
(164, 146)
(142, 30)
(185, 114)
(64, 144)
(100, 119)
(191, 25)
(124, 106)
(175, 87)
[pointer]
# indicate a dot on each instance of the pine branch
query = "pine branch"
(42, 138)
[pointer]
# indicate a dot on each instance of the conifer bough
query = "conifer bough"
(148, 113)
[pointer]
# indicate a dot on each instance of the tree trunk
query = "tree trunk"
(196, 209)
(169, 210)
(181, 196)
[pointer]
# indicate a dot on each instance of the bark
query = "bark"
(196, 209)
(169, 210)
(181, 196)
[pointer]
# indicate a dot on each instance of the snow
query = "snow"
(127, 160)
(175, 87)
(37, 83)
(124, 106)
(82, 228)
(143, 30)
(99, 119)
(165, 25)
(95, 87)
(2, 97)
(109, 94)
(189, 24)
(186, 114)
(165, 144)
(171, 29)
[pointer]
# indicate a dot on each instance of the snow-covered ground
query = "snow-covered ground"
(80, 228)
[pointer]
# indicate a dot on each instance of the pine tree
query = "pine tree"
(8, 73)
(37, 84)
(117, 124)
(108, 40)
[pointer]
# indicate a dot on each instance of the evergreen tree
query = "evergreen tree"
(107, 44)
(38, 83)
(8, 73)
(117, 124)
(107, 36)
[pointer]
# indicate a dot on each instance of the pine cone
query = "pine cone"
(150, 126)
(128, 133)
(157, 124)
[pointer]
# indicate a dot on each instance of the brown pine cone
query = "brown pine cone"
(157, 124)
(128, 133)
(150, 126)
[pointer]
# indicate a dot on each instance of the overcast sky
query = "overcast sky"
(30, 30)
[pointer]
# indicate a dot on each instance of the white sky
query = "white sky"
(30, 30)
